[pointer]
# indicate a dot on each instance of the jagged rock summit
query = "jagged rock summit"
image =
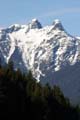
(35, 24)
(58, 25)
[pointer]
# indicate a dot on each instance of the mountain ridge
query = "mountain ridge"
(43, 50)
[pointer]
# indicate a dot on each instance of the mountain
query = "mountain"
(49, 52)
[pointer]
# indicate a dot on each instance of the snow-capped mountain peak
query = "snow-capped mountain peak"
(56, 21)
(49, 52)
(34, 20)
(35, 24)
(57, 24)
(12, 28)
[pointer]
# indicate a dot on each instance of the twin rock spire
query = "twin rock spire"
(36, 24)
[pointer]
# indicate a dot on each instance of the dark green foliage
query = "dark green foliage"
(20, 93)
(10, 65)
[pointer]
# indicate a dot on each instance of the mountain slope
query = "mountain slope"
(45, 51)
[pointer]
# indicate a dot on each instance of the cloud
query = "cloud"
(60, 12)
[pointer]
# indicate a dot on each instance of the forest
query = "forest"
(21, 95)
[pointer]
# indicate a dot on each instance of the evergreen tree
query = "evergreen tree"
(20, 93)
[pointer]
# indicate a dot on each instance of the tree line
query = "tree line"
(21, 94)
